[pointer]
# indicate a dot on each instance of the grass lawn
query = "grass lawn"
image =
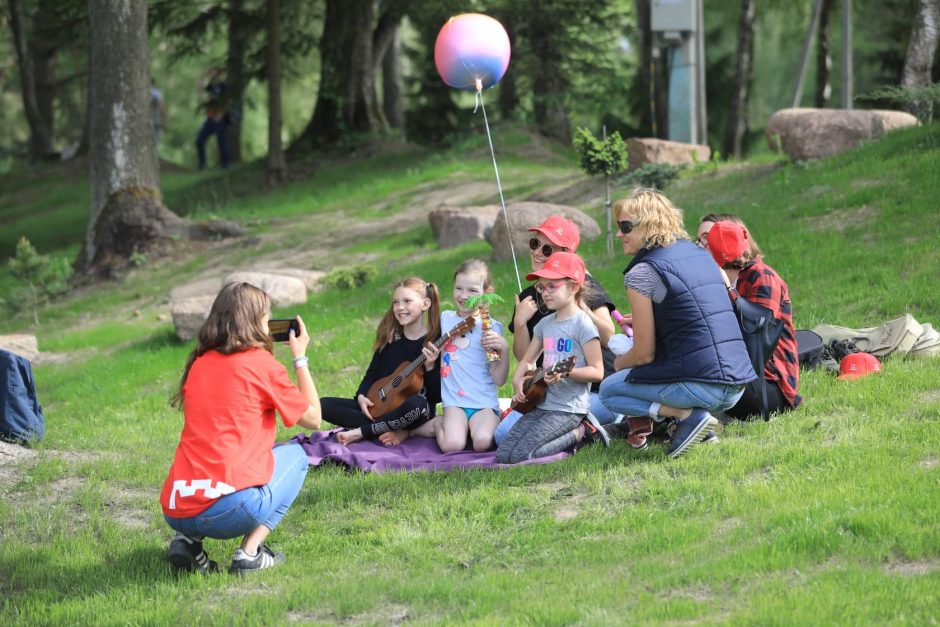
(829, 515)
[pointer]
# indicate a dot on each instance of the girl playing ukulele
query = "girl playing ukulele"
(409, 325)
(556, 422)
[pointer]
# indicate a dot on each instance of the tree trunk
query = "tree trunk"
(127, 215)
(41, 52)
(277, 166)
(393, 86)
(823, 57)
(235, 76)
(918, 62)
(549, 83)
(737, 130)
(40, 139)
(346, 100)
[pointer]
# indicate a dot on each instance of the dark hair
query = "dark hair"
(234, 325)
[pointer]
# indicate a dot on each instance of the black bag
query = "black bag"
(21, 418)
(810, 348)
(761, 332)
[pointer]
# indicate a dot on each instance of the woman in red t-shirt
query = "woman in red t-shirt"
(226, 479)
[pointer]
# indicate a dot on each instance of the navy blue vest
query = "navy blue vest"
(697, 335)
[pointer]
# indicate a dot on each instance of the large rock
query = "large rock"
(453, 226)
(209, 286)
(804, 133)
(189, 314)
(23, 345)
(283, 290)
(525, 215)
(310, 278)
(643, 150)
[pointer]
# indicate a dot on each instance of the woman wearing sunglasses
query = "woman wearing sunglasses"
(688, 358)
(558, 234)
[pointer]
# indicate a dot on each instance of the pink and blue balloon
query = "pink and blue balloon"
(471, 51)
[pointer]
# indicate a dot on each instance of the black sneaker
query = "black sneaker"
(243, 563)
(691, 431)
(594, 432)
(186, 554)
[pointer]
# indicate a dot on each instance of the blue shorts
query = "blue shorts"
(469, 412)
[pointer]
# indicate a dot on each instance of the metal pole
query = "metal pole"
(700, 73)
(847, 73)
(804, 57)
(610, 233)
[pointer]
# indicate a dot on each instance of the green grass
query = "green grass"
(825, 516)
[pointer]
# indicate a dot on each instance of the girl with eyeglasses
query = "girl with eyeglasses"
(558, 234)
(410, 326)
(557, 422)
(688, 357)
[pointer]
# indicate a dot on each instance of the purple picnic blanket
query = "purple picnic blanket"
(415, 453)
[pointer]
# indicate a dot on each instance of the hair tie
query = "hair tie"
(429, 289)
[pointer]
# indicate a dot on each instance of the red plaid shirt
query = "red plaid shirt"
(760, 284)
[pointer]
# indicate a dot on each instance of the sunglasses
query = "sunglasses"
(542, 288)
(626, 226)
(547, 250)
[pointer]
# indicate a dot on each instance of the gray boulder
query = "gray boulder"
(643, 150)
(189, 314)
(284, 291)
(453, 226)
(525, 215)
(805, 133)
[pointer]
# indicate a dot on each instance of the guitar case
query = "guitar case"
(810, 348)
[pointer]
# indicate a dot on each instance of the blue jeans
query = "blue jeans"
(238, 513)
(209, 128)
(644, 399)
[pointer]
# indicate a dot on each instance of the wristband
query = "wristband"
(301, 362)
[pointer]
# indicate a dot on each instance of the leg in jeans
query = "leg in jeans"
(533, 431)
(599, 411)
(205, 132)
(505, 425)
(252, 512)
(222, 134)
(659, 400)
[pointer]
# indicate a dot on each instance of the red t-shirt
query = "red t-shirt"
(228, 428)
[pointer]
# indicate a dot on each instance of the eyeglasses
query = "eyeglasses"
(626, 226)
(542, 288)
(547, 249)
(702, 240)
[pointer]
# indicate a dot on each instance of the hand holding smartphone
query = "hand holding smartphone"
(280, 328)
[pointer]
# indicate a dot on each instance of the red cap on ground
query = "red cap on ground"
(858, 365)
(560, 266)
(560, 232)
(727, 241)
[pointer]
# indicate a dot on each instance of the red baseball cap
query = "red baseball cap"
(727, 241)
(858, 365)
(560, 266)
(560, 232)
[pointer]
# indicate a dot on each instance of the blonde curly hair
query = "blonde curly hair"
(651, 209)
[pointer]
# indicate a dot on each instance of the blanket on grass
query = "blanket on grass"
(414, 454)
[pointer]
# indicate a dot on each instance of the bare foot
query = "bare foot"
(348, 437)
(392, 438)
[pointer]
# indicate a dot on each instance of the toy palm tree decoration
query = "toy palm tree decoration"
(483, 303)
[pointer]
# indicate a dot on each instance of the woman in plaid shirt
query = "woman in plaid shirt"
(747, 276)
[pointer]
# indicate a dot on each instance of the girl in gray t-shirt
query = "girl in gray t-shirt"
(555, 424)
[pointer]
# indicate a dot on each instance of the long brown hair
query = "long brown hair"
(752, 251)
(234, 325)
(390, 329)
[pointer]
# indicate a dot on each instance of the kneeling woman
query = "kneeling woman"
(688, 357)
(226, 479)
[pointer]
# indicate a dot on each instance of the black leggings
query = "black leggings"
(345, 412)
(749, 404)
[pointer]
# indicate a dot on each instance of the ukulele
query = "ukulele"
(534, 387)
(389, 392)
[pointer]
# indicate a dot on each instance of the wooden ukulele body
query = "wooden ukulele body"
(385, 401)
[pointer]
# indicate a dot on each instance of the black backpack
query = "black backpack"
(21, 419)
(761, 332)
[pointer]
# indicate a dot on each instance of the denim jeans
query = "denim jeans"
(238, 513)
(643, 399)
(209, 128)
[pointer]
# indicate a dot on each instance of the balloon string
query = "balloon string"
(499, 186)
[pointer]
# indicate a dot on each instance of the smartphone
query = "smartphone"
(279, 328)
